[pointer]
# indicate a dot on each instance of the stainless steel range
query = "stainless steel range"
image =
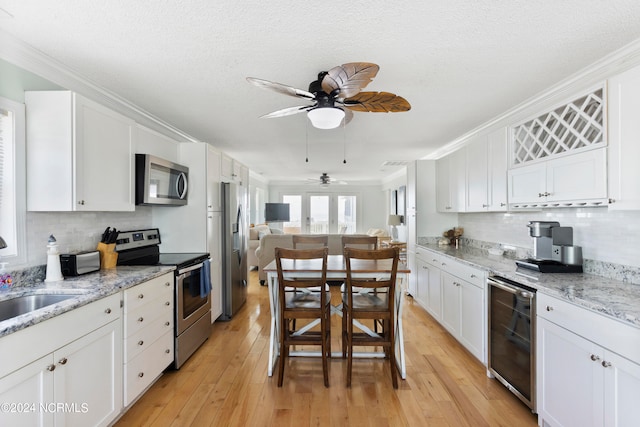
(192, 286)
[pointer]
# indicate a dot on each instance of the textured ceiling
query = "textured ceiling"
(459, 63)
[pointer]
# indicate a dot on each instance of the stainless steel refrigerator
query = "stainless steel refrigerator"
(234, 249)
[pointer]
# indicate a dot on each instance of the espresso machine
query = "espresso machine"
(553, 249)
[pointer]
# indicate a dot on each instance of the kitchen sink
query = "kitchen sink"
(20, 305)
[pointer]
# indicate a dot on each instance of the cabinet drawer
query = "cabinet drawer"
(140, 341)
(140, 372)
(465, 272)
(158, 308)
(591, 325)
(154, 288)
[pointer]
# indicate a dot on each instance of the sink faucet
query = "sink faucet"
(3, 244)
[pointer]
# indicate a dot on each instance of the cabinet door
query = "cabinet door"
(213, 180)
(434, 298)
(103, 158)
(412, 287)
(624, 140)
(570, 385)
(621, 391)
(472, 319)
(412, 185)
(88, 376)
(527, 184)
(578, 176)
(214, 225)
(497, 170)
(26, 391)
(451, 303)
(477, 194)
(443, 200)
(458, 180)
(422, 282)
(226, 168)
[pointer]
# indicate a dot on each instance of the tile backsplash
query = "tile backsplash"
(77, 231)
(606, 236)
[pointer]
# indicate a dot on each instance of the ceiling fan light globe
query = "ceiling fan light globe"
(326, 117)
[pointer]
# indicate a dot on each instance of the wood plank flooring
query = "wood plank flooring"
(225, 382)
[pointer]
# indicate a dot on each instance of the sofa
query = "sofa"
(265, 253)
(255, 234)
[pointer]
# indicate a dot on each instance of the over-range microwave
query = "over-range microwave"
(160, 181)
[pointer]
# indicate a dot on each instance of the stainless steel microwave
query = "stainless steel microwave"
(160, 182)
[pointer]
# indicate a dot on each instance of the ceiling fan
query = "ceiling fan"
(336, 94)
(324, 180)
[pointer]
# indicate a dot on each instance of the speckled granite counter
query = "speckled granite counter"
(88, 288)
(612, 298)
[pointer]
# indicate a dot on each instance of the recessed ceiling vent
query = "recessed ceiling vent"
(395, 163)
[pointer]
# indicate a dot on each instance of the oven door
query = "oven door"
(190, 304)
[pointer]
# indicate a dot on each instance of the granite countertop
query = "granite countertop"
(613, 298)
(88, 288)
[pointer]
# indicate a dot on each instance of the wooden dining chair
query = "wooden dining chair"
(377, 305)
(360, 242)
(294, 304)
(305, 241)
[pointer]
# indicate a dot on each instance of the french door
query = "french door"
(321, 213)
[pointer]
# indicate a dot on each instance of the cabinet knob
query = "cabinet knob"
(612, 200)
(167, 323)
(473, 276)
(141, 374)
(606, 364)
(81, 202)
(167, 284)
(595, 358)
(108, 311)
(140, 296)
(63, 361)
(51, 368)
(540, 194)
(503, 204)
(167, 351)
(167, 303)
(140, 319)
(444, 264)
(140, 342)
(549, 308)
(485, 205)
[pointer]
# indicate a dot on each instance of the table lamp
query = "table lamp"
(394, 221)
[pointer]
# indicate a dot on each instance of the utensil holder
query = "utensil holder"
(108, 255)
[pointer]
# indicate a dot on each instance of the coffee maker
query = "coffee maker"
(553, 250)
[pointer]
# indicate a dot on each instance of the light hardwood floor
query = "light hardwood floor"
(225, 382)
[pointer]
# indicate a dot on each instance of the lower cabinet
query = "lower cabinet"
(78, 383)
(454, 294)
(148, 334)
(588, 367)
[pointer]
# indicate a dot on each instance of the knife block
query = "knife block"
(108, 255)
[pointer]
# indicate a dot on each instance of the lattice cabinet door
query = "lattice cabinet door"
(575, 126)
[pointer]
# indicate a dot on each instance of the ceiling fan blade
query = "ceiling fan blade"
(377, 102)
(280, 88)
(287, 112)
(348, 115)
(350, 78)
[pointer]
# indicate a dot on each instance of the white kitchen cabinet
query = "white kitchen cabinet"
(624, 140)
(214, 202)
(74, 359)
(214, 225)
(451, 182)
(81, 149)
(586, 375)
(486, 180)
(428, 286)
(573, 180)
(148, 334)
(226, 169)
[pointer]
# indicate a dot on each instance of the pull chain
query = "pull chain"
(344, 141)
(306, 131)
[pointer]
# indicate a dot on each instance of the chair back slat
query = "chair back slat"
(306, 241)
(360, 242)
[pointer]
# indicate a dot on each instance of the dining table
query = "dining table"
(336, 271)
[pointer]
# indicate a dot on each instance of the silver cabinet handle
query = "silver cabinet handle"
(140, 319)
(140, 342)
(167, 284)
(606, 364)
(141, 374)
(63, 361)
(167, 351)
(167, 303)
(595, 358)
(108, 311)
(167, 323)
(51, 368)
(140, 296)
(549, 308)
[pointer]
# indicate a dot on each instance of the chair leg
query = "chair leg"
(392, 355)
(325, 345)
(344, 331)
(283, 331)
(349, 351)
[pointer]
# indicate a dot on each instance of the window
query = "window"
(321, 213)
(294, 226)
(12, 180)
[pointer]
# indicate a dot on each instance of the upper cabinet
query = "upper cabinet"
(624, 140)
(233, 171)
(559, 158)
(486, 180)
(79, 154)
(451, 173)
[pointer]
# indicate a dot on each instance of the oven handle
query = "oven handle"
(188, 269)
(509, 288)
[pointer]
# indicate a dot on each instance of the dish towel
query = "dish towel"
(205, 279)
